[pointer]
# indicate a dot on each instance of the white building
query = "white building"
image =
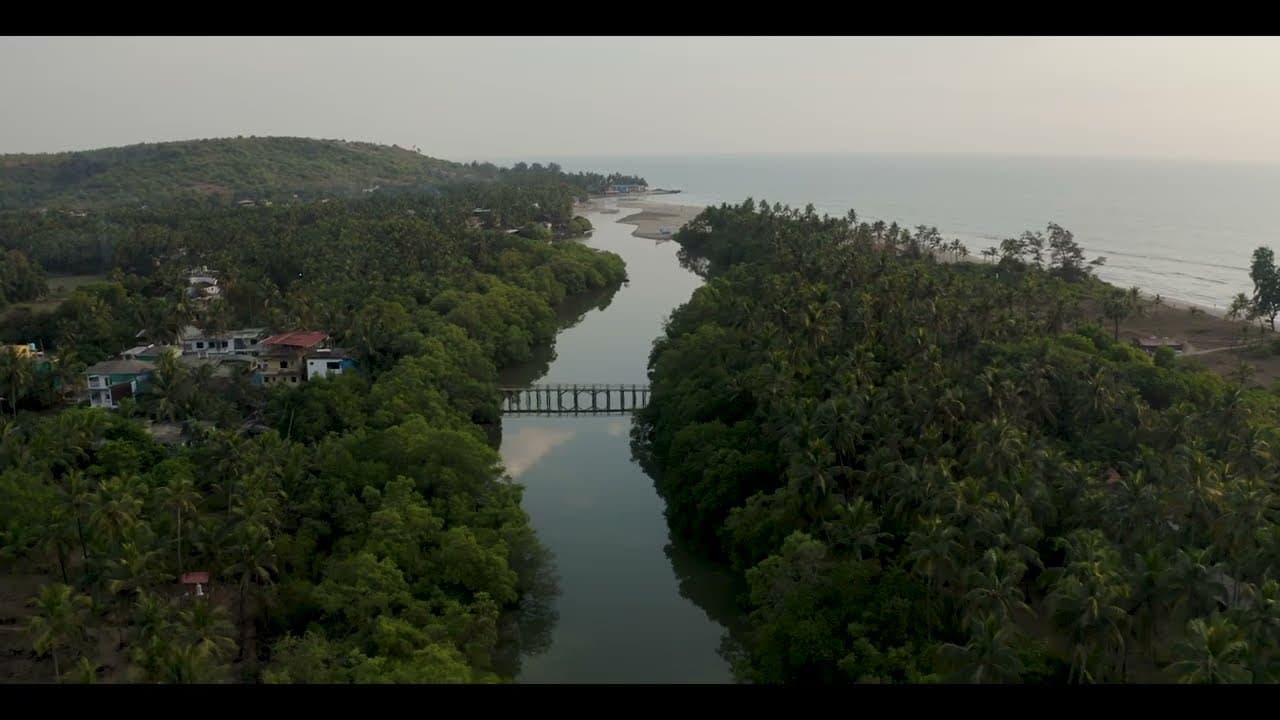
(243, 342)
(324, 362)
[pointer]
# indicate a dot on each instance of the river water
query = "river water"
(633, 606)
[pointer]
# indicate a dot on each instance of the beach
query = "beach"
(654, 220)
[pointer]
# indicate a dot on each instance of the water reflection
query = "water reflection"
(570, 313)
(522, 449)
(714, 589)
(632, 605)
(527, 630)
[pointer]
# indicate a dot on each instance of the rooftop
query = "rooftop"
(300, 339)
(329, 353)
(152, 350)
(191, 332)
(120, 367)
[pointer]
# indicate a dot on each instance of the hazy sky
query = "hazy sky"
(547, 98)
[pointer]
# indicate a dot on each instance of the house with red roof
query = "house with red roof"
(283, 358)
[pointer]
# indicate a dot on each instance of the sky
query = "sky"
(460, 98)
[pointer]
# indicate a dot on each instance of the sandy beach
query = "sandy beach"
(653, 219)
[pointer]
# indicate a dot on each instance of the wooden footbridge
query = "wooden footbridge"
(574, 399)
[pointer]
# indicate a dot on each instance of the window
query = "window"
(284, 364)
(333, 365)
(200, 345)
(293, 378)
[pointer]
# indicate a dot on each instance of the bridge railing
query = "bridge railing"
(568, 398)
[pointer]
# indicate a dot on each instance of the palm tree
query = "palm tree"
(17, 376)
(933, 549)
(77, 502)
(172, 389)
(190, 663)
(59, 623)
(1086, 603)
(1212, 652)
(67, 369)
(151, 616)
(117, 509)
(254, 556)
(179, 496)
(207, 627)
(996, 586)
(989, 656)
(1118, 305)
(132, 570)
(84, 672)
(859, 529)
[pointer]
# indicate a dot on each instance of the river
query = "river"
(633, 606)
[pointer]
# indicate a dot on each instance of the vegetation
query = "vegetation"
(20, 278)
(930, 472)
(1266, 285)
(356, 529)
(196, 173)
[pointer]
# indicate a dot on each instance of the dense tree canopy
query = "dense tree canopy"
(942, 471)
(356, 528)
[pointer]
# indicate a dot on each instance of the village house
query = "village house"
(29, 352)
(282, 358)
(243, 342)
(111, 381)
(325, 362)
(202, 284)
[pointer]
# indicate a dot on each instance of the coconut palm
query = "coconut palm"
(60, 623)
(253, 565)
(1213, 652)
(17, 377)
(180, 497)
(990, 655)
(1087, 602)
(208, 628)
(996, 587)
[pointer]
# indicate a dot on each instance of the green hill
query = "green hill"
(223, 170)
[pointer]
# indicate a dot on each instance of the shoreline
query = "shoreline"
(652, 216)
(1199, 326)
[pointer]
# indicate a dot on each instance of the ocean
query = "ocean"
(1185, 230)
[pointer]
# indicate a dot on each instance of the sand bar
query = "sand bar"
(653, 220)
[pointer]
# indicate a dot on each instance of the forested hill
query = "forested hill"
(229, 170)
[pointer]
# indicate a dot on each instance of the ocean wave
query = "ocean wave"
(1165, 258)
